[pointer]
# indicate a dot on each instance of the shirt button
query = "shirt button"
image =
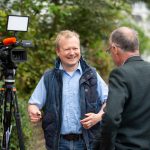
(86, 90)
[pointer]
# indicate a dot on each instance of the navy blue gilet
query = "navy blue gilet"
(53, 107)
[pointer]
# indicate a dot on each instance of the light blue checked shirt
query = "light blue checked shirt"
(70, 99)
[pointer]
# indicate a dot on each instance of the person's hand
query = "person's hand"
(90, 120)
(34, 113)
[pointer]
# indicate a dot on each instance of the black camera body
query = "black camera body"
(13, 52)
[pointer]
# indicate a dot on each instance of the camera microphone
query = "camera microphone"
(9, 41)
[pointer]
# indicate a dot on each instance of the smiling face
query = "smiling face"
(69, 52)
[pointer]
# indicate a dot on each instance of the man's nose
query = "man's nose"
(72, 51)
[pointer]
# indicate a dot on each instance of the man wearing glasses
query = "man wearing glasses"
(126, 121)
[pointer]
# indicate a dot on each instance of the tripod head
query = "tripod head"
(9, 75)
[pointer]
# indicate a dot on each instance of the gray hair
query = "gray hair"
(65, 34)
(126, 38)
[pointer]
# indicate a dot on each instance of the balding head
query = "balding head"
(126, 38)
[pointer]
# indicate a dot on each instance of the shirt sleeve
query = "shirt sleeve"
(102, 89)
(38, 96)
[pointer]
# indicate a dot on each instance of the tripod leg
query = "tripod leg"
(1, 114)
(18, 121)
(7, 120)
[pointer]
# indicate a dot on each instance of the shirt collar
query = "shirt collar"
(78, 68)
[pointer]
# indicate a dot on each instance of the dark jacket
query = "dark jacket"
(126, 122)
(53, 107)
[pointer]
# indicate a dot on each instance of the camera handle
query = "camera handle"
(9, 98)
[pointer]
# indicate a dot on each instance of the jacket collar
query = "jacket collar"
(82, 63)
(133, 58)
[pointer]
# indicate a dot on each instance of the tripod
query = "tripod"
(9, 109)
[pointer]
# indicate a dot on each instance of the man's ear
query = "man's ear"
(57, 51)
(115, 49)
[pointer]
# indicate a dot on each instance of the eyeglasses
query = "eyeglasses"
(110, 47)
(108, 50)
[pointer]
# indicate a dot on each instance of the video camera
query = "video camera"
(11, 50)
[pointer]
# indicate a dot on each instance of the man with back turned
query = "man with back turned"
(126, 121)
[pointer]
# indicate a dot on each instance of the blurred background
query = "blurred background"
(92, 19)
